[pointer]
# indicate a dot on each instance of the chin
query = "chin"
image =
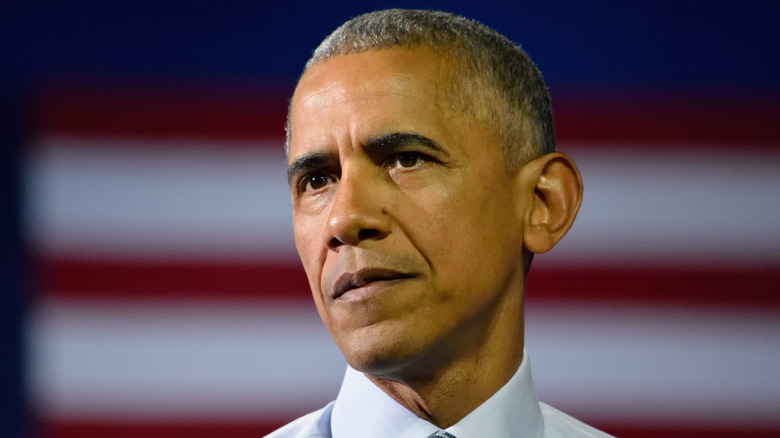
(391, 357)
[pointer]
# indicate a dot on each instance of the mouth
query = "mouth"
(367, 276)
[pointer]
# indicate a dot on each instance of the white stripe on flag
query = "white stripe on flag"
(116, 199)
(121, 361)
(130, 360)
(212, 201)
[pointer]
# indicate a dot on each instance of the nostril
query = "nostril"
(368, 233)
(363, 234)
(334, 243)
(354, 238)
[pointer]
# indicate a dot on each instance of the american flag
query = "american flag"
(170, 300)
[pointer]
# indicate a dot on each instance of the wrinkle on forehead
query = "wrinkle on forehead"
(337, 92)
(428, 78)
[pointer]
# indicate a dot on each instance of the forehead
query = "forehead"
(397, 86)
(390, 70)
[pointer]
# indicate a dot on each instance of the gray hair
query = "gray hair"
(501, 83)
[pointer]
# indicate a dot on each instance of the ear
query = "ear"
(555, 189)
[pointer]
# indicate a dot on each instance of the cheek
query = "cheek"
(461, 228)
(310, 249)
(437, 227)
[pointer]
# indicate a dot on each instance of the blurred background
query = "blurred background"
(150, 285)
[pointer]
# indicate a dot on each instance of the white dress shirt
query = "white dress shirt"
(363, 410)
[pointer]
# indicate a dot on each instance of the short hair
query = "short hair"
(502, 85)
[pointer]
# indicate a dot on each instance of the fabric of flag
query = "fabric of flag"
(170, 300)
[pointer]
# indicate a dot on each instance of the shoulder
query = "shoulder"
(559, 425)
(313, 425)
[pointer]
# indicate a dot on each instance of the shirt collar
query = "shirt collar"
(362, 409)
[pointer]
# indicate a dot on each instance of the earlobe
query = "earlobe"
(555, 188)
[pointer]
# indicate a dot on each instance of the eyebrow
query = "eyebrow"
(398, 140)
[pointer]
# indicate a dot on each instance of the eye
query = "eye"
(315, 182)
(407, 159)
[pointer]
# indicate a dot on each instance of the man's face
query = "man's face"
(408, 225)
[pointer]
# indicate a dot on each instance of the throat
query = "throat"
(448, 396)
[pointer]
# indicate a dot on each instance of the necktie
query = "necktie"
(441, 434)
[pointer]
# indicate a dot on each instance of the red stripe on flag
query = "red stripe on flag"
(79, 278)
(712, 119)
(151, 280)
(85, 429)
(695, 286)
(672, 431)
(76, 429)
(709, 119)
(150, 112)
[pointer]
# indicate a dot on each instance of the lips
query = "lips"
(349, 280)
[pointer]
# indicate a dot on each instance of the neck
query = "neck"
(453, 385)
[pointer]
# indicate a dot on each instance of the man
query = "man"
(423, 177)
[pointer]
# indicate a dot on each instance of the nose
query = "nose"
(357, 213)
